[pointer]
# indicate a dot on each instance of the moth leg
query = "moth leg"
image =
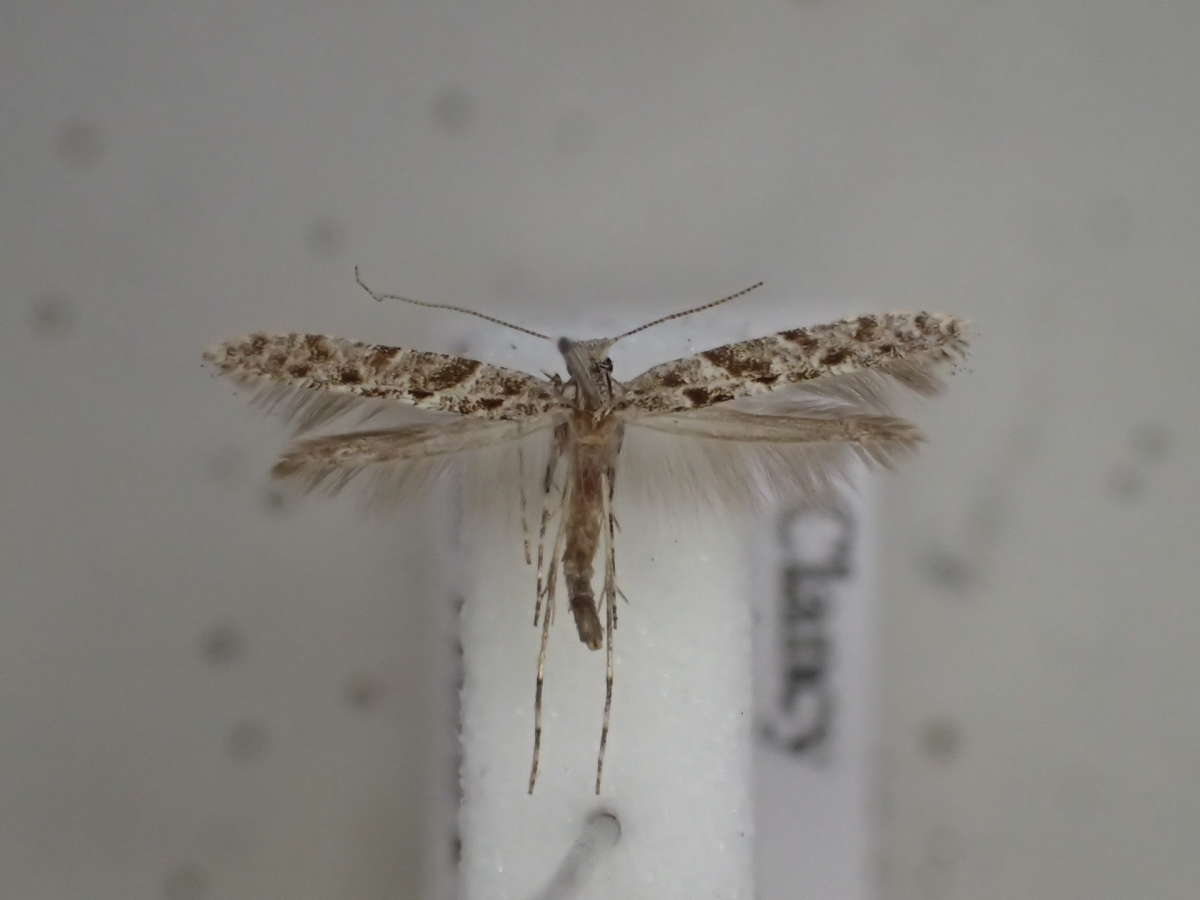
(537, 692)
(610, 573)
(610, 620)
(613, 527)
(524, 511)
(547, 621)
(557, 449)
(547, 515)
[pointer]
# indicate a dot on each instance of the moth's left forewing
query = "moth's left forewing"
(784, 415)
(905, 347)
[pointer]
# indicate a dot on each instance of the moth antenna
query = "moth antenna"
(688, 312)
(462, 309)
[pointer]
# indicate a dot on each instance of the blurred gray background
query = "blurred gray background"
(208, 690)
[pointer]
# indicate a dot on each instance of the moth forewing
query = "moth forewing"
(903, 346)
(296, 372)
(789, 407)
(782, 416)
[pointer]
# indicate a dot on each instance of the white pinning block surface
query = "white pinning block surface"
(677, 770)
(677, 774)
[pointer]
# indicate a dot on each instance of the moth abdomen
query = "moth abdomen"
(583, 608)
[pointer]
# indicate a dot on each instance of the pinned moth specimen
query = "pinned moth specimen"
(791, 407)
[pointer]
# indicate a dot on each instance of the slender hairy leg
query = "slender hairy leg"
(613, 527)
(557, 449)
(524, 505)
(547, 621)
(610, 616)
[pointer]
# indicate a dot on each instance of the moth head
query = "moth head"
(589, 368)
(595, 350)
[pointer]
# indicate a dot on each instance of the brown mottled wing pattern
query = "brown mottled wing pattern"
(901, 345)
(325, 370)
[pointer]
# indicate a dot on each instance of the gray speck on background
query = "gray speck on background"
(276, 501)
(947, 569)
(453, 110)
(186, 881)
(222, 644)
(248, 741)
(941, 739)
(52, 315)
(326, 237)
(1151, 441)
(80, 143)
(1126, 483)
(364, 691)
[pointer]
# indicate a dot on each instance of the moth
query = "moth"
(791, 406)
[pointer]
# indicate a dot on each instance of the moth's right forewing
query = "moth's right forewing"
(313, 378)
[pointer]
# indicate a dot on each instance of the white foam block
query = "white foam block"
(677, 767)
(677, 771)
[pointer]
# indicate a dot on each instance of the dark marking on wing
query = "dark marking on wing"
(453, 373)
(868, 326)
(737, 364)
(800, 337)
(318, 348)
(381, 358)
